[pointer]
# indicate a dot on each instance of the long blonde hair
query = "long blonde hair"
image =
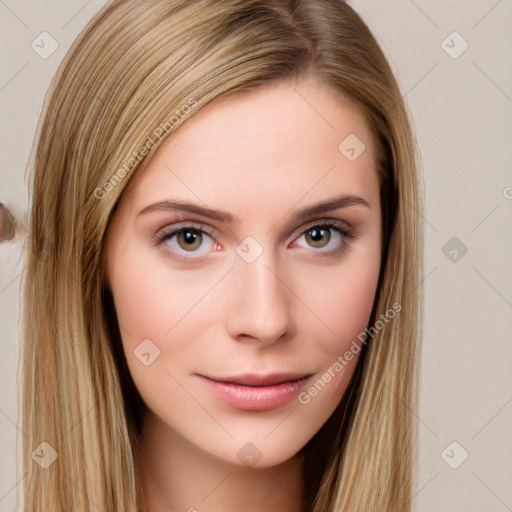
(136, 66)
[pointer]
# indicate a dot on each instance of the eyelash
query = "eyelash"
(345, 233)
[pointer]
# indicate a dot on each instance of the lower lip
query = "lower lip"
(256, 398)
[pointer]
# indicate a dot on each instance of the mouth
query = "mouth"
(256, 391)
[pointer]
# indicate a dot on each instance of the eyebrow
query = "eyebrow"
(304, 214)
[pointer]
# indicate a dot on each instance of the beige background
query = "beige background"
(461, 102)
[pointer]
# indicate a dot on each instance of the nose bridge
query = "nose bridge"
(260, 306)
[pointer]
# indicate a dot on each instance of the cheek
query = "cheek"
(138, 304)
(350, 309)
(151, 299)
(154, 327)
(161, 314)
(343, 300)
(144, 314)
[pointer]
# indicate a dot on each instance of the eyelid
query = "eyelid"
(341, 224)
(171, 229)
(344, 228)
(182, 223)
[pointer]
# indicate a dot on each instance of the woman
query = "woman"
(185, 348)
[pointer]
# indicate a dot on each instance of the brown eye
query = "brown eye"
(189, 239)
(189, 243)
(318, 236)
(328, 238)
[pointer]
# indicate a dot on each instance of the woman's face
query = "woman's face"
(246, 257)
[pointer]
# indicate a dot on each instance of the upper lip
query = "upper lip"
(259, 379)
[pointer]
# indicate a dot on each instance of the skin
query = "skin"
(260, 156)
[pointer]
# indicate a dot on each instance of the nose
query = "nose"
(259, 302)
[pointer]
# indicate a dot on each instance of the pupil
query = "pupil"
(316, 234)
(190, 237)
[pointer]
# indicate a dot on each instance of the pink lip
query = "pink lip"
(257, 392)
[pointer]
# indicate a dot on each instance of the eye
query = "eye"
(192, 239)
(328, 235)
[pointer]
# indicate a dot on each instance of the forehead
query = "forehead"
(272, 146)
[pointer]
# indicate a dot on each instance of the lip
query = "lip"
(257, 391)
